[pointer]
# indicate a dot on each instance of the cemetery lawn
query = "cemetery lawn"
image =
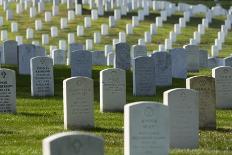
(38, 118)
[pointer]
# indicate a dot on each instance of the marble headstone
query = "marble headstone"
(42, 80)
(207, 99)
(223, 86)
(184, 117)
(143, 76)
(10, 52)
(163, 68)
(112, 90)
(122, 56)
(73, 143)
(146, 128)
(78, 102)
(81, 63)
(7, 91)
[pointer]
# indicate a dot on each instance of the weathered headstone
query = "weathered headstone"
(207, 102)
(7, 91)
(138, 50)
(78, 102)
(122, 56)
(223, 86)
(25, 53)
(143, 76)
(183, 107)
(163, 68)
(203, 58)
(73, 143)
(193, 63)
(74, 47)
(146, 128)
(42, 80)
(58, 57)
(179, 65)
(10, 52)
(112, 90)
(81, 63)
(98, 58)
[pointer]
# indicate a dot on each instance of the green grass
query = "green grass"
(38, 118)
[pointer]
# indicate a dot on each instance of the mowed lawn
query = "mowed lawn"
(38, 118)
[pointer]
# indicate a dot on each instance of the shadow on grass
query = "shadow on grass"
(107, 130)
(32, 114)
(224, 130)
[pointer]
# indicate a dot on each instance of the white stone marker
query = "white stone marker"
(55, 10)
(147, 37)
(63, 23)
(71, 15)
(78, 103)
(47, 16)
(30, 33)
(62, 44)
(207, 100)
(89, 44)
(14, 27)
(112, 21)
(223, 86)
(42, 80)
(87, 22)
(153, 29)
(183, 106)
(71, 38)
(78, 9)
(38, 25)
(122, 37)
(45, 39)
(104, 29)
(80, 30)
(4, 35)
(117, 14)
(19, 39)
(97, 37)
(112, 90)
(73, 143)
(54, 31)
(146, 128)
(135, 21)
(158, 21)
(7, 91)
(94, 14)
(129, 29)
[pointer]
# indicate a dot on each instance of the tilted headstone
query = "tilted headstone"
(163, 68)
(143, 76)
(223, 86)
(81, 63)
(179, 65)
(73, 143)
(25, 53)
(78, 102)
(183, 107)
(112, 90)
(122, 56)
(207, 102)
(146, 128)
(7, 91)
(42, 80)
(10, 52)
